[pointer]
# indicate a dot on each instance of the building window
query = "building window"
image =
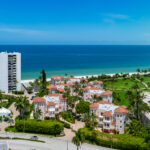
(120, 126)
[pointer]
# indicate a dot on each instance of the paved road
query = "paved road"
(50, 143)
(53, 145)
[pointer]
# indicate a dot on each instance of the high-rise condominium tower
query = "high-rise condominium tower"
(10, 72)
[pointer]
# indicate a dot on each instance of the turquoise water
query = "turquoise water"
(80, 59)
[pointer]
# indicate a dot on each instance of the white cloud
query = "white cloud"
(118, 16)
(20, 31)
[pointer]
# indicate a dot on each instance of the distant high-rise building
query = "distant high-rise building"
(10, 72)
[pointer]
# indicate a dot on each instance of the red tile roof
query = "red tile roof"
(107, 113)
(106, 93)
(57, 77)
(104, 102)
(86, 89)
(51, 104)
(38, 100)
(54, 94)
(61, 90)
(51, 87)
(62, 98)
(83, 79)
(94, 105)
(93, 88)
(121, 110)
(100, 82)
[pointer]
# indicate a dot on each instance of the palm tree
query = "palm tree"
(38, 113)
(78, 139)
(22, 105)
(138, 70)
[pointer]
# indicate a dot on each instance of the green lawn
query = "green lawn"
(122, 84)
(146, 78)
(120, 98)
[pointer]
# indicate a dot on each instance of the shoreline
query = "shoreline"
(84, 76)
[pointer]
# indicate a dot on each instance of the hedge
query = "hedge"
(123, 141)
(39, 126)
(66, 125)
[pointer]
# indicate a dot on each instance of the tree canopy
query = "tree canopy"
(82, 107)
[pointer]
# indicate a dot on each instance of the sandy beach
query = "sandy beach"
(84, 76)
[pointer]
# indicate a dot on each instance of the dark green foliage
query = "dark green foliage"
(42, 83)
(18, 92)
(10, 99)
(68, 116)
(6, 119)
(82, 107)
(66, 125)
(39, 126)
(123, 141)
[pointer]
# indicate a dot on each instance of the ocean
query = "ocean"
(80, 59)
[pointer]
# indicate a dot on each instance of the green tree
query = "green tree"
(22, 105)
(78, 139)
(134, 128)
(43, 83)
(38, 113)
(82, 107)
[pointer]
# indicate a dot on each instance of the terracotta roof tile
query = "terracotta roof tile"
(38, 100)
(51, 87)
(106, 93)
(95, 81)
(86, 89)
(51, 104)
(62, 98)
(54, 94)
(121, 110)
(107, 113)
(104, 102)
(93, 88)
(94, 105)
(61, 90)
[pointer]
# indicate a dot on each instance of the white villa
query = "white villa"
(50, 105)
(109, 116)
(5, 112)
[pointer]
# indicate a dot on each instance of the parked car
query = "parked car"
(34, 137)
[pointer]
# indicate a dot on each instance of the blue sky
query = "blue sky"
(74, 22)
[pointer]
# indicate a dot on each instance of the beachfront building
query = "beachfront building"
(96, 84)
(5, 112)
(110, 117)
(57, 79)
(59, 88)
(50, 105)
(10, 72)
(89, 93)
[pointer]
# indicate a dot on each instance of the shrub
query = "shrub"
(0, 118)
(66, 125)
(123, 141)
(68, 116)
(40, 126)
(18, 92)
(6, 119)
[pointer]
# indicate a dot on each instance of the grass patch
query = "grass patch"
(121, 84)
(119, 98)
